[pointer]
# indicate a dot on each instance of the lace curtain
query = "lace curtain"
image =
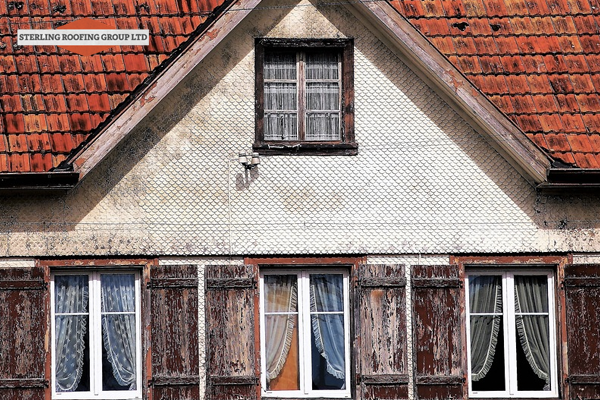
(118, 327)
(281, 98)
(281, 103)
(280, 297)
(71, 294)
(531, 296)
(327, 295)
(485, 297)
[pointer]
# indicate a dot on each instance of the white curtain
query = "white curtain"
(281, 102)
(327, 295)
(531, 296)
(485, 296)
(118, 330)
(71, 295)
(281, 293)
(322, 97)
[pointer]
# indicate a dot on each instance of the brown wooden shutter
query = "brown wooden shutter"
(24, 328)
(174, 332)
(582, 295)
(437, 299)
(381, 343)
(231, 302)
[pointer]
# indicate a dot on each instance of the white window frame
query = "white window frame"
(510, 335)
(304, 335)
(95, 338)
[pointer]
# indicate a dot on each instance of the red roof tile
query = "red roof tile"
(543, 70)
(51, 100)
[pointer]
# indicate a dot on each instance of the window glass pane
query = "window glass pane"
(322, 65)
(485, 294)
(322, 126)
(328, 351)
(118, 292)
(326, 292)
(282, 361)
(279, 65)
(71, 294)
(533, 353)
(118, 331)
(280, 96)
(281, 126)
(322, 96)
(118, 352)
(487, 366)
(531, 294)
(72, 358)
(281, 293)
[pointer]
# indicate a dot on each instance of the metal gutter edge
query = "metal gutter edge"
(41, 181)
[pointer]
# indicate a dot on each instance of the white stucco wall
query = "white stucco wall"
(423, 181)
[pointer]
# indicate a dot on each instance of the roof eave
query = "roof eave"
(38, 181)
(435, 69)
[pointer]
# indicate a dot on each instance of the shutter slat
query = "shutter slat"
(436, 301)
(380, 318)
(230, 319)
(174, 332)
(582, 296)
(24, 308)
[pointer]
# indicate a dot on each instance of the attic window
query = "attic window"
(305, 97)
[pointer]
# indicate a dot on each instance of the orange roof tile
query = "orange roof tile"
(52, 100)
(538, 61)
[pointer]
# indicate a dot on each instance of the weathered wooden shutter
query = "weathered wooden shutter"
(174, 332)
(24, 328)
(381, 343)
(437, 299)
(582, 295)
(231, 301)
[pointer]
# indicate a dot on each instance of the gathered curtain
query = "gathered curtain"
(118, 326)
(531, 296)
(281, 294)
(71, 297)
(485, 297)
(327, 296)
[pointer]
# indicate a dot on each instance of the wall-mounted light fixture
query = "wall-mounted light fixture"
(250, 160)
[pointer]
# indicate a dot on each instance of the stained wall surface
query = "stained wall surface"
(423, 180)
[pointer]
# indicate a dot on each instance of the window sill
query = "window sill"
(306, 148)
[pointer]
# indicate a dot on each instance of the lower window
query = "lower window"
(96, 351)
(305, 333)
(512, 339)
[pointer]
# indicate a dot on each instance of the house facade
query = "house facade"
(396, 239)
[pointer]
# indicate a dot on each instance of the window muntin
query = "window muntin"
(511, 334)
(305, 333)
(96, 337)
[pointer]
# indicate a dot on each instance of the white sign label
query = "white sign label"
(83, 37)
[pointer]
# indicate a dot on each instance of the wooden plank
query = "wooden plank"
(175, 359)
(175, 380)
(583, 330)
(426, 61)
(437, 331)
(382, 355)
(173, 283)
(24, 383)
(87, 158)
(23, 332)
(230, 332)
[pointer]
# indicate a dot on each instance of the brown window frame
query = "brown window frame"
(347, 144)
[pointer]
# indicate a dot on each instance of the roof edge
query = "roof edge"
(29, 181)
(111, 134)
(436, 70)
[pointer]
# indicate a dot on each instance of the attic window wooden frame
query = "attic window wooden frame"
(346, 145)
